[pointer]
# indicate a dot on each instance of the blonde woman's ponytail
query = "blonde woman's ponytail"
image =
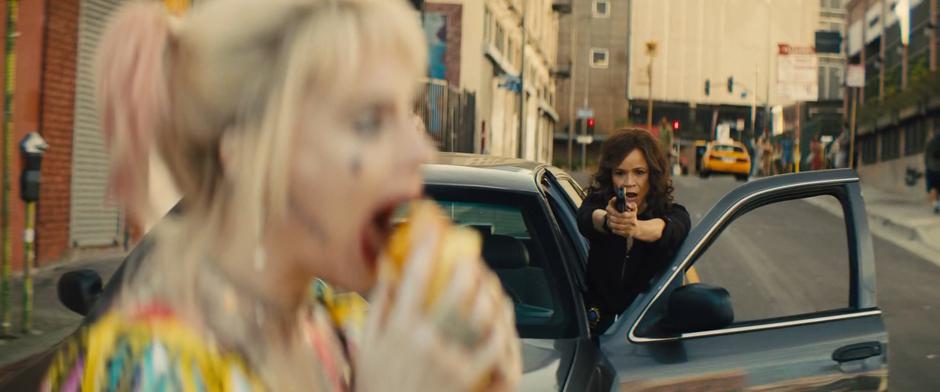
(133, 97)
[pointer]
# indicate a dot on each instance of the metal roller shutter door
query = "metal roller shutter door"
(94, 220)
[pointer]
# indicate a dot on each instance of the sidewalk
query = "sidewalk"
(51, 320)
(908, 222)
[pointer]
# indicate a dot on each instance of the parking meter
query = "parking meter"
(33, 148)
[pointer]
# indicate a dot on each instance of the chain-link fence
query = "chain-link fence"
(449, 115)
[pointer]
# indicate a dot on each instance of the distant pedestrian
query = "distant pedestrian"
(665, 137)
(932, 176)
(817, 156)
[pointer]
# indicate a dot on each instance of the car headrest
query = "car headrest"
(504, 252)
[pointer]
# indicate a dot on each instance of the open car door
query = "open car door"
(796, 309)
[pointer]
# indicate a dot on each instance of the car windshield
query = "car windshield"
(521, 249)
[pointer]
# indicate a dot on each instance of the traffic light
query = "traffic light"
(708, 87)
(675, 125)
(590, 125)
(730, 84)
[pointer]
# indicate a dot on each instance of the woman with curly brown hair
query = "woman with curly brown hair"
(628, 246)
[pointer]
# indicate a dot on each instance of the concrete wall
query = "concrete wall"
(889, 176)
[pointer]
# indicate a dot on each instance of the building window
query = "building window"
(500, 39)
(915, 137)
(821, 81)
(890, 144)
(511, 51)
(600, 58)
(835, 5)
(869, 147)
(487, 26)
(601, 8)
(835, 83)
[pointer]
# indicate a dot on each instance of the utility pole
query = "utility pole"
(851, 157)
(770, 60)
(521, 150)
(796, 141)
(754, 105)
(6, 269)
(933, 35)
(572, 51)
(651, 53)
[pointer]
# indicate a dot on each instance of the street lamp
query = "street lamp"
(651, 47)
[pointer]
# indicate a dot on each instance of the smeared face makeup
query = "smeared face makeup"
(355, 158)
(633, 175)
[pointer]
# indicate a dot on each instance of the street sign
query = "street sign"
(585, 113)
(585, 139)
(828, 42)
(797, 73)
(855, 75)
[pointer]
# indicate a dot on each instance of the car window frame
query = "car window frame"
(546, 238)
(837, 188)
(550, 184)
(577, 252)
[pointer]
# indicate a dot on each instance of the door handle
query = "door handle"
(854, 352)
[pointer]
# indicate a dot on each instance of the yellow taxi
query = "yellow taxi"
(726, 158)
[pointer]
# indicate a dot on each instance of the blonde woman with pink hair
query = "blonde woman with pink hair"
(286, 127)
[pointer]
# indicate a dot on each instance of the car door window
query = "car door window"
(518, 245)
(573, 191)
(784, 261)
(566, 215)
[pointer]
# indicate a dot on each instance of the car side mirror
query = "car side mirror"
(79, 290)
(698, 307)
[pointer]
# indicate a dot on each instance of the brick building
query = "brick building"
(53, 94)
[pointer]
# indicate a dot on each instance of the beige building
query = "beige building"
(598, 32)
(697, 41)
(484, 51)
(712, 40)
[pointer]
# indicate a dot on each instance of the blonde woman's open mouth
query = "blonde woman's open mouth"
(378, 229)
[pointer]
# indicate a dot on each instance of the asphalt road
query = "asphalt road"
(792, 258)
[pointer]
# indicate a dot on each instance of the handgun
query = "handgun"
(621, 200)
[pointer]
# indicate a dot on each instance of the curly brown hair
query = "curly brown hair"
(615, 150)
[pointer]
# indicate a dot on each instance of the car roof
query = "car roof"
(483, 171)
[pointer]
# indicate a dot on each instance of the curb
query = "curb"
(910, 238)
(73, 262)
(917, 234)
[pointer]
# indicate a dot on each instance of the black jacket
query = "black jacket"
(615, 278)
